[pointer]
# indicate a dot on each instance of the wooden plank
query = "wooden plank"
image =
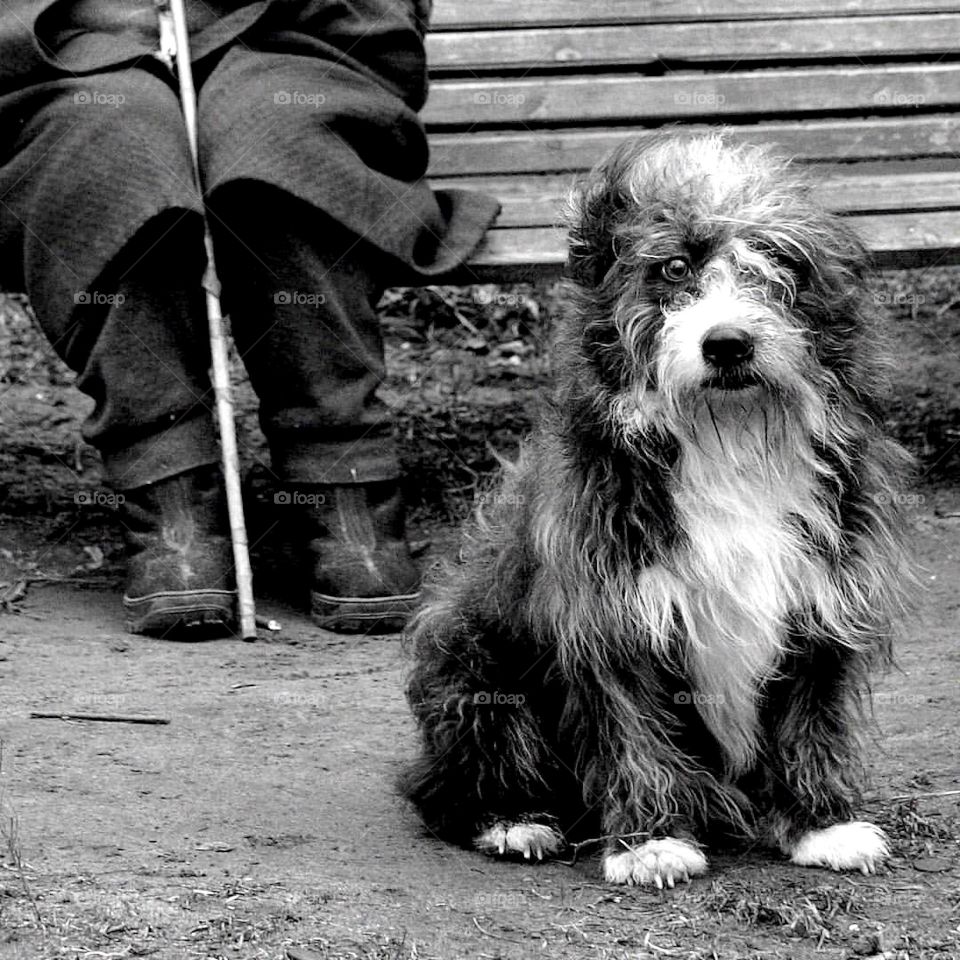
(896, 241)
(611, 98)
(936, 135)
(572, 48)
(467, 14)
(912, 239)
(539, 200)
(510, 255)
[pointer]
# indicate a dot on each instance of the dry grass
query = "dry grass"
(12, 850)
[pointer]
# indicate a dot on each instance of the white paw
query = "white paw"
(657, 861)
(856, 845)
(530, 839)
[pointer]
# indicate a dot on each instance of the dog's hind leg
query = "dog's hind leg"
(812, 768)
(485, 776)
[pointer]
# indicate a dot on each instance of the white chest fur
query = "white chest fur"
(739, 570)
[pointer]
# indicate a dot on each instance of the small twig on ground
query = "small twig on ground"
(449, 303)
(924, 796)
(494, 936)
(76, 581)
(103, 717)
(593, 841)
(947, 307)
(301, 953)
(650, 945)
(14, 592)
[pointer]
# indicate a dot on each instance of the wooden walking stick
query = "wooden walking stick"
(175, 45)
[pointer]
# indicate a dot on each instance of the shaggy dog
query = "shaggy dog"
(662, 626)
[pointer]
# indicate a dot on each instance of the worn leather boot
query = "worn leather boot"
(364, 579)
(179, 558)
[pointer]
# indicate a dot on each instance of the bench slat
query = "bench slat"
(538, 201)
(544, 151)
(462, 14)
(565, 100)
(573, 48)
(896, 241)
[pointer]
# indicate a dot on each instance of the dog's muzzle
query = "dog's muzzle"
(728, 338)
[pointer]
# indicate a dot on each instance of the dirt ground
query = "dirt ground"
(262, 818)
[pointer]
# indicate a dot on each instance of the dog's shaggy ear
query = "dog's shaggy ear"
(594, 210)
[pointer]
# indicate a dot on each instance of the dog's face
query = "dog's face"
(705, 274)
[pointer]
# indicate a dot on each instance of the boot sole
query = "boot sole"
(370, 615)
(190, 615)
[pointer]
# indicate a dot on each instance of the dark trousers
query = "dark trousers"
(300, 291)
(100, 224)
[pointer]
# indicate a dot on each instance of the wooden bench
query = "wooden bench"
(525, 95)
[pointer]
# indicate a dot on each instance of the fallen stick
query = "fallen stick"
(924, 796)
(620, 837)
(73, 581)
(494, 936)
(103, 717)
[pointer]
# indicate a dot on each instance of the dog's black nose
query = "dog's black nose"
(727, 346)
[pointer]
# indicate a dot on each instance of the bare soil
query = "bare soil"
(262, 817)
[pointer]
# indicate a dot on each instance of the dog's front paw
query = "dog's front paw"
(856, 845)
(656, 862)
(531, 839)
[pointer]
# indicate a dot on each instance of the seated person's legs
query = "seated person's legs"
(316, 202)
(300, 290)
(144, 358)
(323, 198)
(100, 212)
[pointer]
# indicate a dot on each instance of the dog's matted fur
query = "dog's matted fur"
(663, 624)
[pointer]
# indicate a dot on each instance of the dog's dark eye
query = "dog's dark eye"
(675, 269)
